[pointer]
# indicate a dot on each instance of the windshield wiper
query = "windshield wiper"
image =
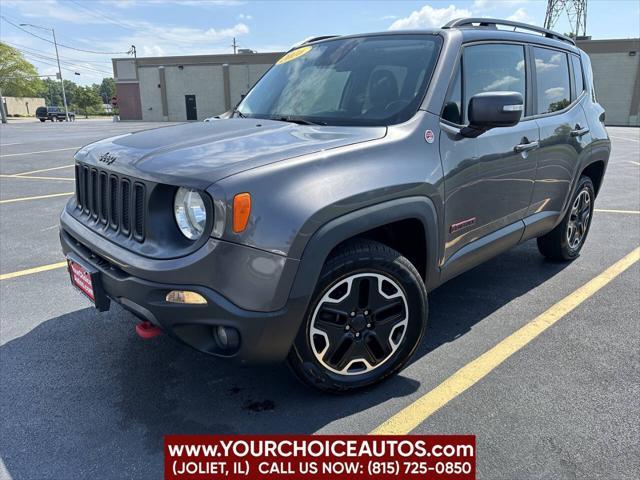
(238, 112)
(298, 120)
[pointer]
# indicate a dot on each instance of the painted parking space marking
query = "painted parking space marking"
(625, 138)
(40, 151)
(26, 177)
(29, 271)
(628, 212)
(38, 197)
(43, 170)
(416, 413)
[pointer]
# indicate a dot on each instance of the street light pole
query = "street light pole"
(55, 43)
(64, 96)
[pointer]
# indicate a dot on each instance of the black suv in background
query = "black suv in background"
(358, 174)
(53, 113)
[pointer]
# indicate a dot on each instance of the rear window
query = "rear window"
(552, 80)
(577, 75)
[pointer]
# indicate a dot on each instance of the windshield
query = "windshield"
(375, 80)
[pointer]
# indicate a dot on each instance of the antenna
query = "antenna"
(576, 11)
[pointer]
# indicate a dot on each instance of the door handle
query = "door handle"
(525, 147)
(578, 132)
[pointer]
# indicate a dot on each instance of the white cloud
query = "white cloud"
(493, 4)
(190, 3)
(52, 9)
(429, 17)
(520, 15)
(244, 16)
(554, 92)
(389, 17)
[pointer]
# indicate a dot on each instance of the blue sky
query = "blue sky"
(165, 27)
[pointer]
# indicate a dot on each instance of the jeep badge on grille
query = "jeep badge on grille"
(107, 158)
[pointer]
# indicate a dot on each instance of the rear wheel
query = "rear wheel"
(564, 242)
(43, 120)
(365, 321)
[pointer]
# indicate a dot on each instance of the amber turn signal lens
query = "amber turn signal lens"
(185, 296)
(241, 211)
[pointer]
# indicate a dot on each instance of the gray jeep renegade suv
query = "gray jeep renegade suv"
(358, 174)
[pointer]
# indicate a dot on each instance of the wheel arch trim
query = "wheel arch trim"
(350, 225)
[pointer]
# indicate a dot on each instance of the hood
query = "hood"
(198, 154)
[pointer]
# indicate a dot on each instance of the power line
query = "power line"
(70, 64)
(24, 47)
(76, 64)
(97, 13)
(59, 44)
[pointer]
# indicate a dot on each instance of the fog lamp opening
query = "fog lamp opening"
(185, 297)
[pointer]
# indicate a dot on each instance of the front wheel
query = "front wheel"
(366, 319)
(565, 241)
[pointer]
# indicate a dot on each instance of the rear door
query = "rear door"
(564, 133)
(488, 179)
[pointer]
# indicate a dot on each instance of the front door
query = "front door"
(489, 179)
(192, 109)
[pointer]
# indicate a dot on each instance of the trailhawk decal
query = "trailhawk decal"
(293, 54)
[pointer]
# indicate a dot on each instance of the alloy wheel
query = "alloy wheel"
(579, 219)
(359, 323)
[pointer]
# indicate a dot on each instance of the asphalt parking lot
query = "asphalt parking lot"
(83, 397)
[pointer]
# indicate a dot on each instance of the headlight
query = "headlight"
(190, 213)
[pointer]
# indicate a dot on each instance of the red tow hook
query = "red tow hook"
(148, 330)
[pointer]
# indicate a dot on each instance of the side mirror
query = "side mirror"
(492, 110)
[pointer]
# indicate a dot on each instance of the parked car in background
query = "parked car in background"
(357, 175)
(53, 113)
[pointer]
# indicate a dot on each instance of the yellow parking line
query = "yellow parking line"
(44, 170)
(38, 178)
(23, 199)
(410, 417)
(40, 151)
(29, 271)
(631, 212)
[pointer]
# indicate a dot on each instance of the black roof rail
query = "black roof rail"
(493, 23)
(317, 39)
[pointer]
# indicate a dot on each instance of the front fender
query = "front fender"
(330, 235)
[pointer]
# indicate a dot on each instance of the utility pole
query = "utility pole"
(64, 95)
(234, 45)
(576, 11)
(3, 114)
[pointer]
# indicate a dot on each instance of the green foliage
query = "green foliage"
(87, 98)
(12, 65)
(107, 89)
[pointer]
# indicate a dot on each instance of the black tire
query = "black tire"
(392, 330)
(559, 244)
(42, 120)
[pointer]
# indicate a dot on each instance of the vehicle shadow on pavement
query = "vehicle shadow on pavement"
(459, 304)
(83, 396)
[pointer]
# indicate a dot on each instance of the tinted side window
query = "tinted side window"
(452, 110)
(493, 68)
(552, 79)
(577, 74)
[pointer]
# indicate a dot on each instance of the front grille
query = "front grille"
(117, 202)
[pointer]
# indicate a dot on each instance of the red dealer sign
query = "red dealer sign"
(330, 457)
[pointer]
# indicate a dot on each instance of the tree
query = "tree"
(86, 98)
(107, 89)
(52, 92)
(18, 78)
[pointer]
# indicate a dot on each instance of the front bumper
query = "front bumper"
(265, 336)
